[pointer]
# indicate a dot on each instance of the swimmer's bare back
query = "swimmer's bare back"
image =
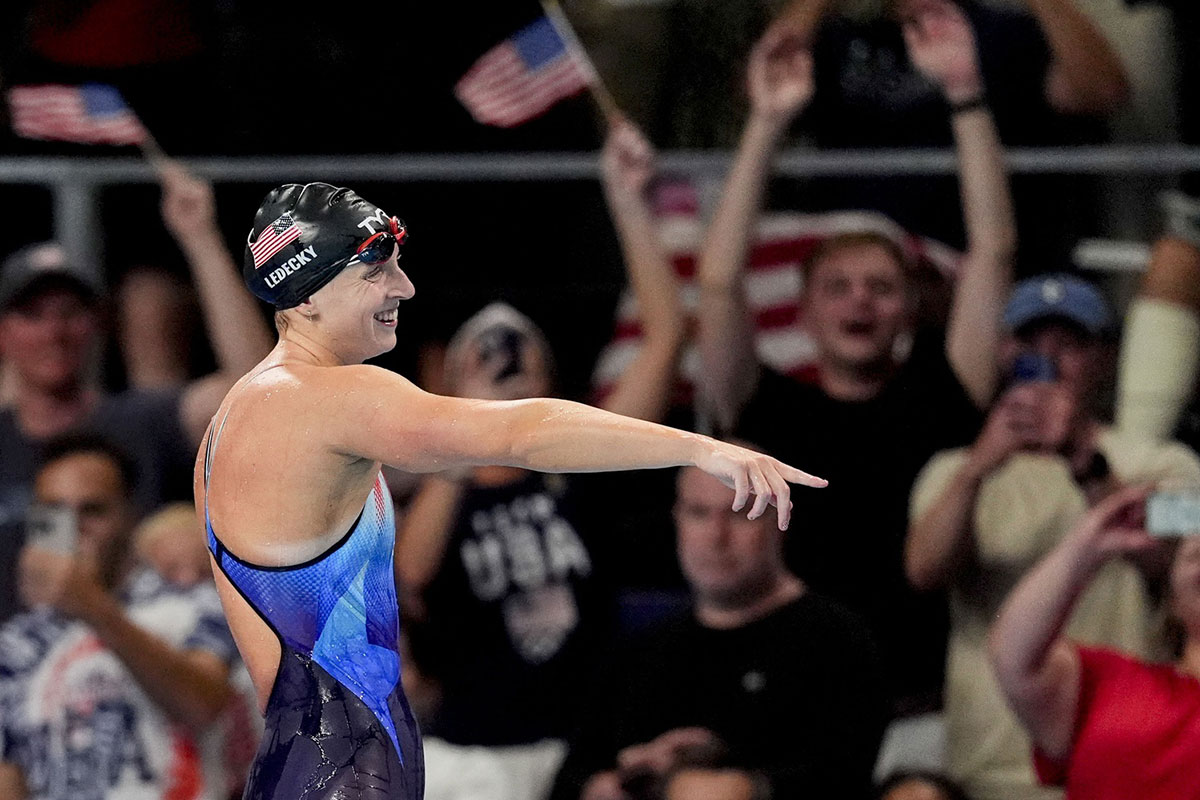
(301, 444)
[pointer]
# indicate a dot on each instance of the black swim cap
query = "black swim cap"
(303, 236)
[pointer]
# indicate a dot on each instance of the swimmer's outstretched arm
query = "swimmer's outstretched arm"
(384, 417)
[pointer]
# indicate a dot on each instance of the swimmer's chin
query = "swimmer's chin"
(381, 347)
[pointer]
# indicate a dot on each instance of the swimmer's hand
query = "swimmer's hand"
(748, 472)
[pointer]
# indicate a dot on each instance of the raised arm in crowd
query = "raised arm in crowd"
(941, 44)
(239, 335)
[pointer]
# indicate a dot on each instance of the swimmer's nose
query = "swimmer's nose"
(404, 287)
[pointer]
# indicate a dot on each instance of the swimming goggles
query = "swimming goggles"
(379, 247)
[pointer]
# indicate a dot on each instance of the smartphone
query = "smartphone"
(503, 345)
(52, 527)
(1173, 512)
(1031, 366)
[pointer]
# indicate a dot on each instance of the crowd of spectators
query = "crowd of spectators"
(972, 609)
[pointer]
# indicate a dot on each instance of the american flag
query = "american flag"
(90, 114)
(523, 76)
(773, 285)
(276, 236)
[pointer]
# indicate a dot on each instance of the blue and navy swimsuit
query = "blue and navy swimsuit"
(338, 726)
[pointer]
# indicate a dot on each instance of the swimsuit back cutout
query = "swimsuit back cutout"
(339, 609)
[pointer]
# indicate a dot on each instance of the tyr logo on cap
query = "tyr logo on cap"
(378, 218)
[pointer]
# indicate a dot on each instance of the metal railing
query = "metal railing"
(75, 181)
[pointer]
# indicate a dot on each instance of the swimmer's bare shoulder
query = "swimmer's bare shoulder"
(377, 415)
(334, 416)
(280, 483)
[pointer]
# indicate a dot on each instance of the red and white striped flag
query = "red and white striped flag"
(276, 236)
(773, 285)
(523, 76)
(89, 114)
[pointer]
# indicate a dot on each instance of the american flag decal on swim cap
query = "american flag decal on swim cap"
(274, 238)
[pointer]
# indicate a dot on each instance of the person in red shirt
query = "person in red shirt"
(1104, 725)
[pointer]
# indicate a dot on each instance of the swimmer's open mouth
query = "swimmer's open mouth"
(387, 317)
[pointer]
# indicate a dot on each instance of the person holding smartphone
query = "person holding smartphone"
(1104, 724)
(983, 515)
(114, 683)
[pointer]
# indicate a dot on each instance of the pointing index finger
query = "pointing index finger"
(793, 475)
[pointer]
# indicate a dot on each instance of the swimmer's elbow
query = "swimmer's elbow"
(527, 439)
(510, 433)
(452, 433)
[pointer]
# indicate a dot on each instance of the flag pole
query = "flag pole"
(153, 153)
(148, 146)
(163, 165)
(597, 89)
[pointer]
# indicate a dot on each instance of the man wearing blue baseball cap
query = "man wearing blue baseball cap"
(982, 515)
(1058, 298)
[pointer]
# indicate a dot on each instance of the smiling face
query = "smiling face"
(357, 310)
(856, 305)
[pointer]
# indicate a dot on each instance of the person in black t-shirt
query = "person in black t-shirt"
(500, 563)
(764, 689)
(872, 419)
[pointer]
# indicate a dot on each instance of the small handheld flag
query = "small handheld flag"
(523, 76)
(93, 113)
